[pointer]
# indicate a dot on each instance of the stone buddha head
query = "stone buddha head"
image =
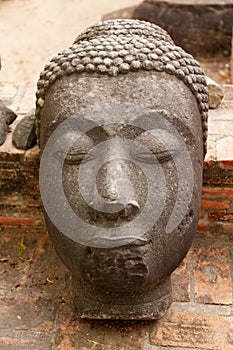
(122, 128)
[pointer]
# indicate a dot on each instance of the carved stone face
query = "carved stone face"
(142, 176)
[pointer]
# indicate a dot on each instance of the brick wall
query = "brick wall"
(20, 202)
(217, 198)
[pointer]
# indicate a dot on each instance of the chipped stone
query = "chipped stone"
(215, 92)
(7, 117)
(24, 136)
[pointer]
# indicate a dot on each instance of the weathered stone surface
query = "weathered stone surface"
(117, 76)
(215, 92)
(7, 117)
(24, 136)
(201, 29)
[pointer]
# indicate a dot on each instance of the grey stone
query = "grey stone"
(201, 28)
(24, 135)
(116, 149)
(215, 92)
(7, 116)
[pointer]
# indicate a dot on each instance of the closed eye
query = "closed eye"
(150, 158)
(78, 158)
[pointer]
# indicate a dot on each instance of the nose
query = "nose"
(115, 195)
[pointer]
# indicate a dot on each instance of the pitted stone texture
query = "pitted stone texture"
(119, 46)
(24, 136)
(200, 27)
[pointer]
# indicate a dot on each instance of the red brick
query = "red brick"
(30, 186)
(212, 275)
(221, 227)
(11, 198)
(202, 228)
(38, 222)
(7, 174)
(37, 186)
(207, 164)
(32, 197)
(225, 164)
(221, 216)
(193, 331)
(227, 229)
(4, 220)
(202, 215)
(181, 282)
(214, 204)
(217, 191)
(11, 157)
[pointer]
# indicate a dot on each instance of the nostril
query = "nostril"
(106, 211)
(131, 210)
(107, 207)
(114, 211)
(112, 207)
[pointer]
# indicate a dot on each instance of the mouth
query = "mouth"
(108, 242)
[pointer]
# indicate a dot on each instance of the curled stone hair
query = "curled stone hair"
(119, 46)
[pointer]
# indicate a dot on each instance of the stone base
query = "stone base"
(93, 303)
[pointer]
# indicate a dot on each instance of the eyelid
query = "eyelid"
(150, 157)
(164, 156)
(78, 158)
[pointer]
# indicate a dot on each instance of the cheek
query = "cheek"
(72, 192)
(171, 191)
(183, 176)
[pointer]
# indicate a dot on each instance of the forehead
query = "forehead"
(154, 90)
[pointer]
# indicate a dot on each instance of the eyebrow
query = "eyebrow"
(139, 123)
(180, 126)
